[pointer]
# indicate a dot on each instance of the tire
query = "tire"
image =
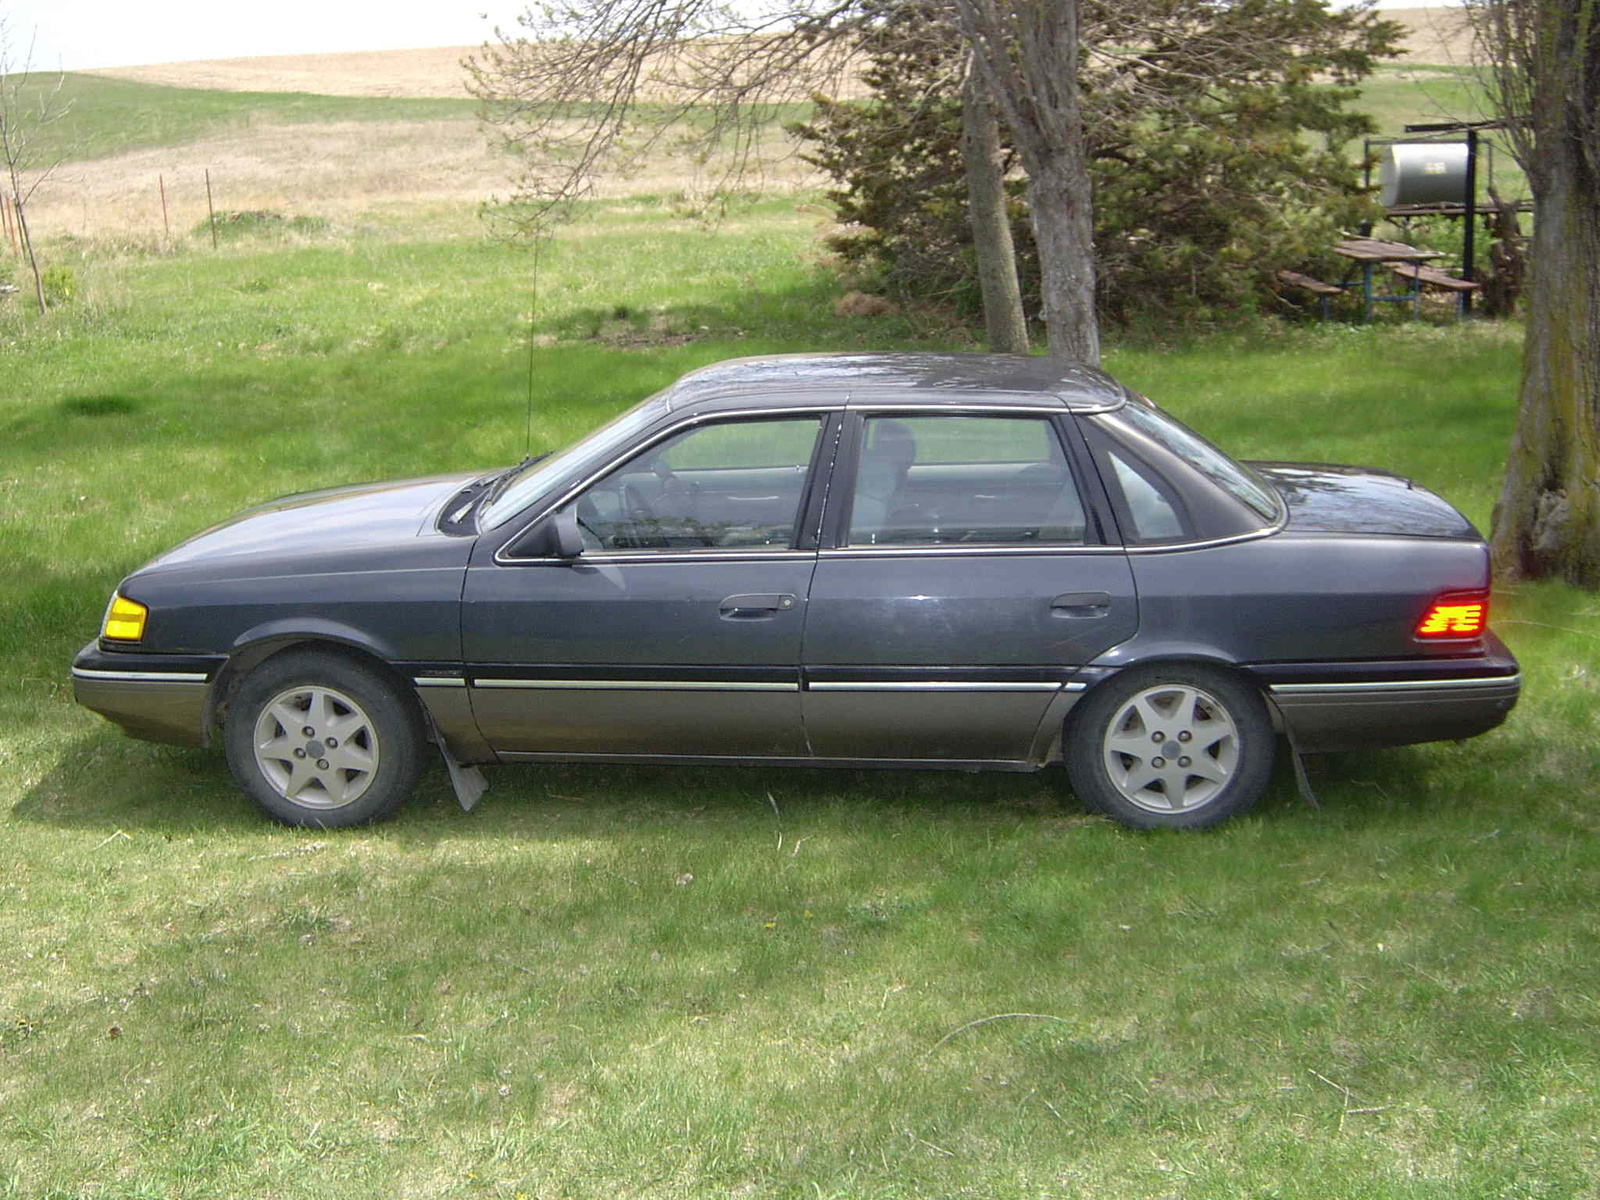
(1175, 747)
(357, 764)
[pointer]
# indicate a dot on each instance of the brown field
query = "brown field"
(350, 170)
(434, 72)
(346, 171)
(1437, 36)
(338, 170)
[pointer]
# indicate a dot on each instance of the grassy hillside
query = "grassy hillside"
(106, 116)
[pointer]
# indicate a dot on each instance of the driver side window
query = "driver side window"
(733, 484)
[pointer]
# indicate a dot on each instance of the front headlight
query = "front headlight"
(124, 619)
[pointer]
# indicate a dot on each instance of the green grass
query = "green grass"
(104, 116)
(1405, 94)
(693, 983)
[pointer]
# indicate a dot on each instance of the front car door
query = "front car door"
(676, 632)
(961, 584)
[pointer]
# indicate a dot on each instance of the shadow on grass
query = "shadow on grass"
(103, 780)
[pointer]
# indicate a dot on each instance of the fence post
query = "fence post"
(211, 209)
(166, 223)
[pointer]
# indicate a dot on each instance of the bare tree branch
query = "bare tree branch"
(580, 90)
(25, 108)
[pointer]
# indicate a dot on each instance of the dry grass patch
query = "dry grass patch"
(335, 170)
(341, 170)
(435, 71)
(1435, 35)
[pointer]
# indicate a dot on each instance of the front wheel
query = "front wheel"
(1179, 747)
(323, 740)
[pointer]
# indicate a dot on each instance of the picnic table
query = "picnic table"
(1372, 253)
(1407, 263)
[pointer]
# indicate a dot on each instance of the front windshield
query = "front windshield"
(1200, 454)
(548, 472)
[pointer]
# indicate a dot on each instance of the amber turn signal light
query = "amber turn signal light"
(124, 620)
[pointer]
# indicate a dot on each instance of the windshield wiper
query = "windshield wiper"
(459, 515)
(503, 481)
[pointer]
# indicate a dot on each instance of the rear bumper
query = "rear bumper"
(1352, 706)
(160, 698)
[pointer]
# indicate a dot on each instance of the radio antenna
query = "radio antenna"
(533, 317)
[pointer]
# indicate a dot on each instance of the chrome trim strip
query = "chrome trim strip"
(1253, 536)
(934, 408)
(1013, 549)
(439, 681)
(1394, 685)
(938, 685)
(140, 676)
(637, 685)
(677, 557)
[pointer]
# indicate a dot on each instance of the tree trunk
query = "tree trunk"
(1063, 229)
(1547, 524)
(1027, 53)
(27, 248)
(991, 225)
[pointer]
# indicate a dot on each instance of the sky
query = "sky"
(73, 35)
(78, 34)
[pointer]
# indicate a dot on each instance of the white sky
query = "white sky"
(76, 34)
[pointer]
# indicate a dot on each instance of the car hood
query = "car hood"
(1330, 499)
(337, 524)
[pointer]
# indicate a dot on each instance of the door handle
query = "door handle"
(1081, 604)
(754, 607)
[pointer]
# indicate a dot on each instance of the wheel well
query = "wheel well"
(1153, 666)
(247, 658)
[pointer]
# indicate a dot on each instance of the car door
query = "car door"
(962, 582)
(676, 632)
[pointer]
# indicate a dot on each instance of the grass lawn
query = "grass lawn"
(699, 983)
(769, 983)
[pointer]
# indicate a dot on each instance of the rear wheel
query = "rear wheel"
(1179, 747)
(321, 739)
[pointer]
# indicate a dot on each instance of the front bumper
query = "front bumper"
(157, 697)
(1354, 706)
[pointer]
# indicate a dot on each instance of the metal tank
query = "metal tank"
(1424, 173)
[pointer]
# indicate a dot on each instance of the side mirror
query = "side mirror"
(564, 527)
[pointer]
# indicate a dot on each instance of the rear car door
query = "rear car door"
(961, 584)
(676, 632)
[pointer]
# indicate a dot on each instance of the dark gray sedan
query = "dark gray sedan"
(908, 560)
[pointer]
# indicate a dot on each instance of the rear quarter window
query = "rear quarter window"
(1170, 485)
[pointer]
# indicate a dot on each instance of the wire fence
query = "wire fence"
(165, 205)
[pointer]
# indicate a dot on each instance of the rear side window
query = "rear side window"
(1178, 439)
(1152, 512)
(1168, 485)
(963, 480)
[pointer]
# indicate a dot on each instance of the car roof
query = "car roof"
(779, 380)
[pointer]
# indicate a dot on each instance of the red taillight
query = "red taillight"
(1459, 616)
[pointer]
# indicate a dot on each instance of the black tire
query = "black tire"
(358, 763)
(1173, 747)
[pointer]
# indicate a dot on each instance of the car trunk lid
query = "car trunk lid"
(1323, 498)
